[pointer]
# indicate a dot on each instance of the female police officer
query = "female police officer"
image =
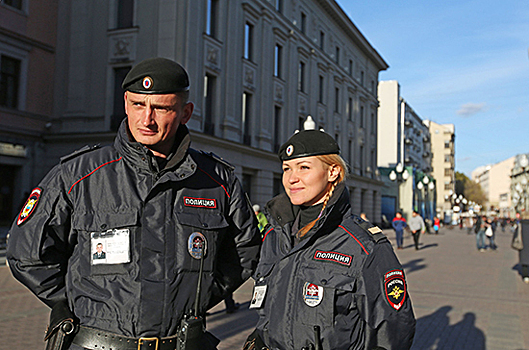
(326, 278)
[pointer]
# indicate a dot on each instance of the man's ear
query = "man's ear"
(188, 112)
(125, 101)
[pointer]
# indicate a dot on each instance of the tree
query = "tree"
(471, 190)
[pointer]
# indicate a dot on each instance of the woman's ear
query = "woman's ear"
(334, 172)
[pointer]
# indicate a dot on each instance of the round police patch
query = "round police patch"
(312, 294)
(395, 288)
(289, 150)
(194, 245)
(30, 205)
(147, 83)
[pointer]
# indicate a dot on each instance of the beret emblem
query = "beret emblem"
(289, 150)
(147, 83)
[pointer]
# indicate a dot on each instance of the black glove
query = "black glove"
(62, 327)
(254, 342)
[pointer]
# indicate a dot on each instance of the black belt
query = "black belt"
(92, 338)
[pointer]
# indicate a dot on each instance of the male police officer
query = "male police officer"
(160, 208)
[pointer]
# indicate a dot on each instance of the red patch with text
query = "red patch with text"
(335, 257)
(200, 202)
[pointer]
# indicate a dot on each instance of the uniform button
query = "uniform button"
(323, 282)
(258, 275)
(260, 279)
(143, 158)
(182, 175)
(205, 225)
(104, 226)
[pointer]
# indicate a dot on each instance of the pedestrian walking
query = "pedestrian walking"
(480, 228)
(163, 211)
(436, 224)
(522, 230)
(399, 224)
(326, 278)
(416, 224)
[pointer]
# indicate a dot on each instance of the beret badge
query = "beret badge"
(147, 83)
(289, 150)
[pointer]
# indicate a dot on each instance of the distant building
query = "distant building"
(520, 186)
(403, 139)
(443, 165)
(495, 181)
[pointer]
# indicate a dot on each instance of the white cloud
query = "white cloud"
(469, 109)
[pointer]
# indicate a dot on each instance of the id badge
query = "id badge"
(258, 296)
(110, 247)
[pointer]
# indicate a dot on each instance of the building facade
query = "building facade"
(257, 69)
(28, 39)
(404, 156)
(443, 166)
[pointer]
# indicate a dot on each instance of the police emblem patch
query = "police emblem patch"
(147, 83)
(29, 206)
(395, 287)
(194, 245)
(289, 150)
(312, 294)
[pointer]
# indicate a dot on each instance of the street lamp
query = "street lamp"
(399, 173)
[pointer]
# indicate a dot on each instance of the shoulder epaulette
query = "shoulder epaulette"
(218, 159)
(375, 231)
(80, 151)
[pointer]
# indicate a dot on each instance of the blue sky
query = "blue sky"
(460, 62)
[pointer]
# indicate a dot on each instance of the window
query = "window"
(301, 77)
(125, 13)
(248, 41)
(9, 81)
(322, 40)
(337, 58)
(210, 83)
(447, 158)
(447, 144)
(303, 23)
(247, 184)
(373, 123)
(362, 78)
(278, 61)
(362, 119)
(277, 128)
(350, 150)
(118, 110)
(321, 89)
(301, 120)
(372, 86)
(279, 6)
(362, 160)
(337, 100)
(350, 109)
(351, 68)
(246, 112)
(212, 17)
(14, 3)
(448, 172)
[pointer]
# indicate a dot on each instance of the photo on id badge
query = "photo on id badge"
(110, 247)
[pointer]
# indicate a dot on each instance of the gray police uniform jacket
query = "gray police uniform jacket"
(342, 278)
(150, 222)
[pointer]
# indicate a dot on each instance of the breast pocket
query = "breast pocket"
(106, 241)
(325, 294)
(200, 228)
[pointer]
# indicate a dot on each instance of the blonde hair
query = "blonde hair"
(329, 160)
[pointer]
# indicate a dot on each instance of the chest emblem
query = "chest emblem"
(29, 206)
(200, 202)
(194, 245)
(334, 257)
(395, 287)
(312, 294)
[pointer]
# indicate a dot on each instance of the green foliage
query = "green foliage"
(469, 189)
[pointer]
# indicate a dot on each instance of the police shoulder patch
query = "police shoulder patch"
(395, 288)
(29, 206)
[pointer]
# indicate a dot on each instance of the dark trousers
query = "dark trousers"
(416, 235)
(525, 271)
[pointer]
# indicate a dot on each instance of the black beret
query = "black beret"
(308, 143)
(156, 76)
